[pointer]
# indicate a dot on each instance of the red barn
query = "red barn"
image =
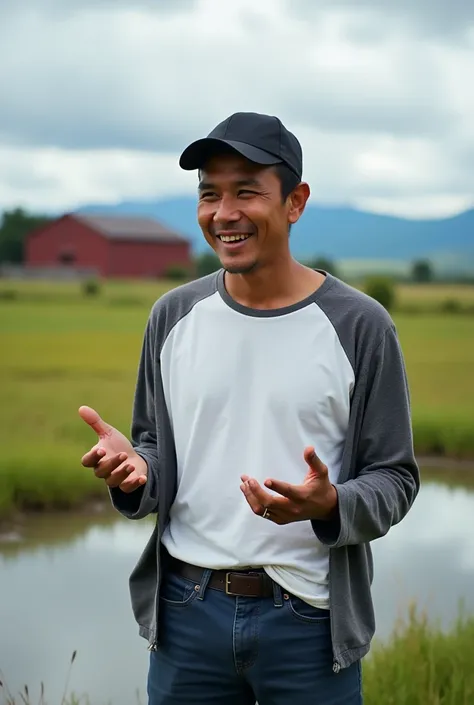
(111, 246)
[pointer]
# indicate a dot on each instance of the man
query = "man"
(271, 433)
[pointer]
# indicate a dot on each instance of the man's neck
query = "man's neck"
(273, 287)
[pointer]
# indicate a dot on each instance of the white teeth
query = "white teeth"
(233, 238)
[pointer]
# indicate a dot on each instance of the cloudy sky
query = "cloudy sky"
(98, 97)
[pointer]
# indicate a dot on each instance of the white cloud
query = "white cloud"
(102, 98)
(52, 180)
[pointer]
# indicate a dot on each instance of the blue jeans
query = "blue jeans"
(216, 649)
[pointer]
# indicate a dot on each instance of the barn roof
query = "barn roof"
(118, 227)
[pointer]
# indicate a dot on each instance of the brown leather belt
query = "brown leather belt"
(245, 583)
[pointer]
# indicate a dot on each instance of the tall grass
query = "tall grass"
(420, 665)
(24, 696)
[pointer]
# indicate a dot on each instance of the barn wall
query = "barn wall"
(48, 246)
(66, 236)
(146, 259)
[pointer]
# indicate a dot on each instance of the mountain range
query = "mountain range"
(339, 233)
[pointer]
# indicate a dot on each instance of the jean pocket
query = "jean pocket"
(306, 612)
(177, 591)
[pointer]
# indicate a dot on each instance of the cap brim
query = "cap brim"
(196, 155)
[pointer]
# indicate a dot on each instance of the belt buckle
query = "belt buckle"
(227, 583)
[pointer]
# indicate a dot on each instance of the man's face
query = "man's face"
(241, 214)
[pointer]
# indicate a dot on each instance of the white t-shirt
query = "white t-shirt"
(246, 391)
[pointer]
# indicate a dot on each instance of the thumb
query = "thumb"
(91, 417)
(314, 462)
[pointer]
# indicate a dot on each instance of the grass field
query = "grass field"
(420, 665)
(434, 298)
(59, 349)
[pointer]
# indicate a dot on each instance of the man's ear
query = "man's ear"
(297, 202)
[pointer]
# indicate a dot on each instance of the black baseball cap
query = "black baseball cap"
(262, 139)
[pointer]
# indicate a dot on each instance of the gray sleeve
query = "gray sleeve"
(387, 476)
(143, 501)
(151, 433)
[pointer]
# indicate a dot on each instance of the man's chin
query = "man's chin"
(239, 268)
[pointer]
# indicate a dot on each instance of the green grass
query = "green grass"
(420, 665)
(59, 349)
(439, 354)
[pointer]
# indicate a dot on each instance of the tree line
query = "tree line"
(15, 226)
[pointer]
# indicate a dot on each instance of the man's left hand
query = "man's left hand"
(316, 498)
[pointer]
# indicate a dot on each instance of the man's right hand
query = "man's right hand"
(113, 457)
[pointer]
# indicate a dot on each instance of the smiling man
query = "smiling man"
(272, 435)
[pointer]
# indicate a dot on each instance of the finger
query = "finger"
(245, 478)
(293, 492)
(133, 482)
(118, 476)
(259, 500)
(256, 490)
(92, 418)
(313, 461)
(92, 458)
(108, 465)
(255, 503)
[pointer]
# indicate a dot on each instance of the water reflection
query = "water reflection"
(64, 597)
(65, 587)
(429, 558)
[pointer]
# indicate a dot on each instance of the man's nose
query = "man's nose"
(227, 211)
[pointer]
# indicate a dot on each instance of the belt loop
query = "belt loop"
(206, 576)
(277, 595)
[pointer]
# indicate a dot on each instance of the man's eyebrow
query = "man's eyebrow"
(248, 182)
(208, 185)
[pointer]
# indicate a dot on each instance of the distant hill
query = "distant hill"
(336, 232)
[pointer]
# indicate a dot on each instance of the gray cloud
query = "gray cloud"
(441, 18)
(87, 85)
(404, 97)
(83, 83)
(381, 112)
(66, 8)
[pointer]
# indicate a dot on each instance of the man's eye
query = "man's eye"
(247, 192)
(206, 195)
